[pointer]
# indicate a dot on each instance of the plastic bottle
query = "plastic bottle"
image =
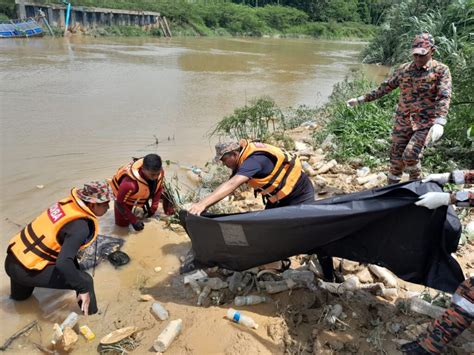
(166, 337)
(194, 285)
(384, 275)
(203, 295)
(423, 307)
(249, 300)
(237, 317)
(245, 280)
(235, 281)
(279, 286)
(307, 168)
(160, 311)
(70, 320)
(388, 293)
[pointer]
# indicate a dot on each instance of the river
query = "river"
(75, 109)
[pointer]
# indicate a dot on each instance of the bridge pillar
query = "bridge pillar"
(21, 9)
(62, 18)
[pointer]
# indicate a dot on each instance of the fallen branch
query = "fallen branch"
(17, 334)
(43, 349)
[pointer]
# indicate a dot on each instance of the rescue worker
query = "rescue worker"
(134, 185)
(460, 313)
(425, 94)
(272, 172)
(43, 254)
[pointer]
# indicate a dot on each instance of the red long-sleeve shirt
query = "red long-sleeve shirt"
(129, 187)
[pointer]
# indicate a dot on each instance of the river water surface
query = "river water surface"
(75, 109)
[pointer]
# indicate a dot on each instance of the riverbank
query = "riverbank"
(292, 321)
(315, 30)
(198, 19)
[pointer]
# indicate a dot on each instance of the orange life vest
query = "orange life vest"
(281, 181)
(36, 246)
(131, 170)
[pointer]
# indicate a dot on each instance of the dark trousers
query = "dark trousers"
(24, 281)
(304, 193)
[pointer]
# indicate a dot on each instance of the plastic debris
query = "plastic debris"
(86, 332)
(240, 318)
(168, 335)
(159, 311)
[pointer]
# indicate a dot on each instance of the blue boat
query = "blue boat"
(20, 28)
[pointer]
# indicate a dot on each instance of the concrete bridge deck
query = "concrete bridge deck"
(88, 17)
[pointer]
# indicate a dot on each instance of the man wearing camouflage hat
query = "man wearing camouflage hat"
(271, 171)
(425, 94)
(43, 254)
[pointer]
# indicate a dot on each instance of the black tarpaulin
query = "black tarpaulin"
(381, 226)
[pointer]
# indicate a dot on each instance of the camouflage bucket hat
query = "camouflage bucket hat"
(226, 147)
(422, 43)
(96, 192)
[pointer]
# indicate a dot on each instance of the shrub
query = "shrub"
(254, 121)
(360, 132)
(280, 17)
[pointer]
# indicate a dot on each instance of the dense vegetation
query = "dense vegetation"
(224, 17)
(364, 131)
(359, 131)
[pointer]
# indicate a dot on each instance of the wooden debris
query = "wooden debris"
(17, 335)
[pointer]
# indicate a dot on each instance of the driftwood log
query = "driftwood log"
(17, 334)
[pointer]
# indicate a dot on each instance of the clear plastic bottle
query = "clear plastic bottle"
(237, 317)
(235, 281)
(203, 295)
(423, 307)
(70, 320)
(249, 300)
(195, 286)
(160, 311)
(279, 286)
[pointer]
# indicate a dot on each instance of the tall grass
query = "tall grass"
(362, 132)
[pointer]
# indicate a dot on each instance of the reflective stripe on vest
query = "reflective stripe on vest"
(131, 170)
(281, 181)
(36, 246)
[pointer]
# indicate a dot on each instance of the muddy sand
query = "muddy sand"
(291, 322)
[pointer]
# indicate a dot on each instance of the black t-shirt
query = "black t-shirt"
(260, 165)
(71, 237)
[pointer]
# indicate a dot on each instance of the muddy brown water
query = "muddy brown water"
(73, 110)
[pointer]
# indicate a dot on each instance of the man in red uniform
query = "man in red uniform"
(134, 185)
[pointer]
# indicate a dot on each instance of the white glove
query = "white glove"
(355, 101)
(439, 178)
(434, 200)
(436, 132)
